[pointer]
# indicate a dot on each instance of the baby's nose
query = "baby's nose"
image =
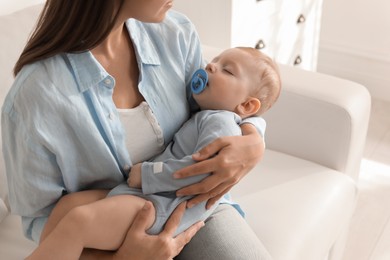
(211, 67)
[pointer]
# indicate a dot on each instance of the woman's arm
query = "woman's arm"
(228, 159)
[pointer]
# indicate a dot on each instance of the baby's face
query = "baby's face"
(231, 75)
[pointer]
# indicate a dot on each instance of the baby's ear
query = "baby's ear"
(249, 107)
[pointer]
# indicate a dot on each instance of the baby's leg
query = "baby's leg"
(101, 225)
(68, 202)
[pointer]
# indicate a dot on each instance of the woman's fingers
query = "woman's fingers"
(174, 220)
(177, 243)
(140, 223)
(227, 160)
(170, 227)
(195, 169)
(203, 187)
(205, 158)
(211, 149)
(185, 237)
(140, 245)
(213, 200)
(211, 197)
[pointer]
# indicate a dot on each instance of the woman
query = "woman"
(62, 130)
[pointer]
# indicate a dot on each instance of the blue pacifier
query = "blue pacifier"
(199, 81)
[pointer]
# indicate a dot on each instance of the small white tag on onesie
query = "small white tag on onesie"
(157, 167)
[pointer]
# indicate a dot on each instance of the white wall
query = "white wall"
(355, 43)
(9, 6)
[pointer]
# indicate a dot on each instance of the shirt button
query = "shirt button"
(153, 120)
(111, 116)
(107, 81)
(160, 141)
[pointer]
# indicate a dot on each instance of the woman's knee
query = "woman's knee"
(226, 235)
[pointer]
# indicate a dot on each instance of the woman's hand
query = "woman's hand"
(139, 245)
(228, 159)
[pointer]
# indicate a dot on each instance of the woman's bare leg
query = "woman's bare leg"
(102, 224)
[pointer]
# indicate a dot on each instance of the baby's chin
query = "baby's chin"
(199, 102)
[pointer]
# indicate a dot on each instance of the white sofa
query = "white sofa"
(300, 198)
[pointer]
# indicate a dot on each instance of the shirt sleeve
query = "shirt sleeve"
(34, 179)
(157, 175)
(257, 122)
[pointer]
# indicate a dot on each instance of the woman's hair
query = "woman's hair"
(268, 91)
(69, 26)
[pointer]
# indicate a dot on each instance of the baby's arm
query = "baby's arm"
(165, 180)
(157, 176)
(134, 180)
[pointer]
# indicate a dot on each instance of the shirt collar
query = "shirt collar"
(87, 70)
(144, 46)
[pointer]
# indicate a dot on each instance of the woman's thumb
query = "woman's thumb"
(143, 217)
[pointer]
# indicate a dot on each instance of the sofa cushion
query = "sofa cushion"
(13, 244)
(286, 198)
(3, 210)
(14, 30)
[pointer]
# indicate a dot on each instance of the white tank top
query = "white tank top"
(144, 136)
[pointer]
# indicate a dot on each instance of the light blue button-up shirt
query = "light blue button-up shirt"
(61, 130)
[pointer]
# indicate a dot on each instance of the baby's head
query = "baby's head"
(242, 80)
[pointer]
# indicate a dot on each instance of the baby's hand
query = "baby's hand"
(134, 180)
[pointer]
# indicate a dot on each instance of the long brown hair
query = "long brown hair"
(69, 26)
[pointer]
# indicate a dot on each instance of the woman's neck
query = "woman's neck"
(117, 56)
(117, 38)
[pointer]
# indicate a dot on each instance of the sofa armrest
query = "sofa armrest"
(318, 118)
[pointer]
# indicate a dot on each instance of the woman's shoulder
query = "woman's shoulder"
(36, 81)
(40, 71)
